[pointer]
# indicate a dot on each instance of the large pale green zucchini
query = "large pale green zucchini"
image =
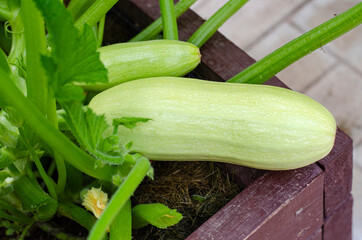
(252, 125)
(130, 61)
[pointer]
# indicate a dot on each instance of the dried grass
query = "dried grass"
(196, 189)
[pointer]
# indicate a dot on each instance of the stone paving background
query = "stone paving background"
(331, 75)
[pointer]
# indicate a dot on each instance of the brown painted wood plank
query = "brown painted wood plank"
(221, 59)
(339, 225)
(279, 205)
(338, 168)
(317, 235)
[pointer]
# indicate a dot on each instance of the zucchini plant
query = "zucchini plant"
(60, 156)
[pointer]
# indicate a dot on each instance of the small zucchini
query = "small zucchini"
(257, 126)
(130, 61)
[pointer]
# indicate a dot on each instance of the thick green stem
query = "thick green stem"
(156, 27)
(62, 172)
(17, 51)
(11, 96)
(36, 160)
(13, 218)
(59, 161)
(17, 30)
(76, 7)
(121, 227)
(169, 22)
(6, 158)
(95, 13)
(14, 171)
(270, 65)
(77, 214)
(5, 14)
(14, 211)
(119, 198)
(13, 5)
(215, 21)
(34, 199)
(29, 170)
(74, 181)
(35, 44)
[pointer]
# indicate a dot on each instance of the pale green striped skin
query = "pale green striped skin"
(129, 61)
(257, 126)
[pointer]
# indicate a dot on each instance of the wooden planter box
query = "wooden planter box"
(313, 202)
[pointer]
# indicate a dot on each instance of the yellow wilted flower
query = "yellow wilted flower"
(95, 200)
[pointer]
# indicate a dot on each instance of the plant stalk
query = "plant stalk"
(5, 15)
(209, 27)
(13, 218)
(77, 214)
(120, 197)
(100, 31)
(48, 182)
(169, 22)
(59, 160)
(95, 13)
(121, 227)
(156, 27)
(11, 96)
(35, 44)
(281, 58)
(76, 7)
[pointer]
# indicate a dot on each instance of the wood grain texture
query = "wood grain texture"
(117, 28)
(256, 211)
(279, 205)
(339, 225)
(317, 235)
(338, 168)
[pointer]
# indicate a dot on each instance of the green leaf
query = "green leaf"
(8, 133)
(73, 56)
(6, 158)
(4, 65)
(156, 214)
(68, 93)
(13, 117)
(89, 131)
(34, 198)
(198, 198)
(129, 122)
(77, 214)
(6, 183)
(4, 70)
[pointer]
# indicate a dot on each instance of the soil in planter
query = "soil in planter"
(196, 189)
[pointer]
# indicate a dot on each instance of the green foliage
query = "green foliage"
(8, 133)
(6, 158)
(129, 122)
(34, 199)
(4, 65)
(88, 129)
(73, 56)
(155, 214)
(6, 183)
